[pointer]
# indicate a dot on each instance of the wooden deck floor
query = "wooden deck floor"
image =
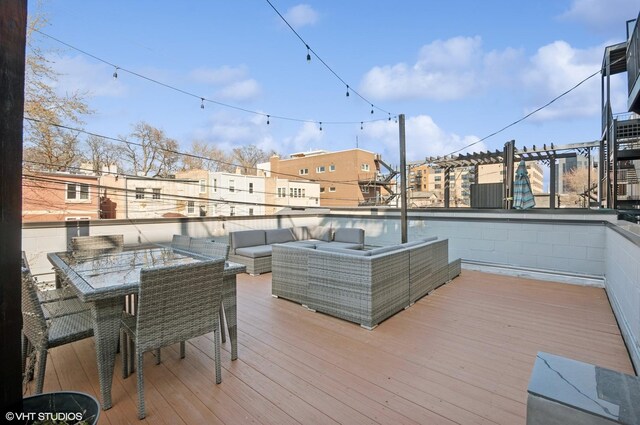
(461, 355)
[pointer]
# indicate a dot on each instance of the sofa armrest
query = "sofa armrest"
(289, 272)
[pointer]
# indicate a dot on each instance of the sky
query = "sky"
(458, 70)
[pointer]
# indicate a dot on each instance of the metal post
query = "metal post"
(403, 178)
(447, 186)
(552, 182)
(509, 170)
(589, 178)
(13, 24)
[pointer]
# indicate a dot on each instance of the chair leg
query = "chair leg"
(216, 348)
(132, 355)
(182, 349)
(141, 410)
(222, 325)
(42, 365)
(125, 355)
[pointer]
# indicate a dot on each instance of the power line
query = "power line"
(309, 49)
(203, 99)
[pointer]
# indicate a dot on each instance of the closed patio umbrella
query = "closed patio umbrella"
(522, 195)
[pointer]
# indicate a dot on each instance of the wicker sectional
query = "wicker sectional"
(365, 287)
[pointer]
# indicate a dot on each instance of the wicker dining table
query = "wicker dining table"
(103, 280)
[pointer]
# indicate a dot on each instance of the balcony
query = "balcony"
(462, 354)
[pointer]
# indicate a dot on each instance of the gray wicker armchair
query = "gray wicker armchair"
(40, 334)
(174, 304)
(180, 242)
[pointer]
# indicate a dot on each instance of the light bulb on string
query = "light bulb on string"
(347, 90)
(320, 125)
(361, 125)
(389, 116)
(308, 53)
(202, 103)
(372, 108)
(115, 72)
(268, 119)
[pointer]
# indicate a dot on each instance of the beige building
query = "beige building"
(347, 178)
(285, 193)
(493, 173)
(426, 186)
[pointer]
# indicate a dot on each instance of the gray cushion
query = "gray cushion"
(247, 238)
(389, 248)
(411, 244)
(279, 236)
(338, 245)
(336, 250)
(320, 233)
(349, 235)
(429, 239)
(302, 244)
(255, 251)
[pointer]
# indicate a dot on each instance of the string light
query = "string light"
(347, 90)
(389, 116)
(115, 72)
(361, 125)
(372, 108)
(320, 125)
(268, 119)
(308, 54)
(202, 103)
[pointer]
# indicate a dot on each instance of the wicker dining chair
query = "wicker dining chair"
(40, 334)
(180, 242)
(212, 249)
(174, 305)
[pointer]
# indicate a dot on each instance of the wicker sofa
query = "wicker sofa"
(365, 287)
(253, 248)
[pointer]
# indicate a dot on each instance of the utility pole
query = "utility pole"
(13, 24)
(403, 178)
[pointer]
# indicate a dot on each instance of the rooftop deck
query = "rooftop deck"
(462, 355)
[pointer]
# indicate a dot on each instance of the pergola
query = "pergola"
(547, 154)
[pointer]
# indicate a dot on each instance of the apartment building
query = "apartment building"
(426, 186)
(347, 178)
(55, 196)
(286, 193)
(493, 173)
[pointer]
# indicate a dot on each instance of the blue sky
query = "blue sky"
(458, 70)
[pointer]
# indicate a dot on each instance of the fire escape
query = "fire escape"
(382, 181)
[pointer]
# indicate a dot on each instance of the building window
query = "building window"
(437, 178)
(77, 192)
(232, 185)
(332, 189)
(156, 194)
(364, 167)
(232, 211)
(191, 207)
(332, 168)
(215, 185)
(320, 169)
(139, 192)
(322, 190)
(365, 189)
(302, 195)
(303, 171)
(282, 192)
(438, 186)
(203, 186)
(250, 211)
(203, 211)
(250, 189)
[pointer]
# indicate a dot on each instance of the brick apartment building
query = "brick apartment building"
(347, 178)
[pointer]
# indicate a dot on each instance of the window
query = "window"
(303, 171)
(364, 167)
(139, 192)
(303, 194)
(191, 207)
(290, 192)
(437, 178)
(320, 169)
(282, 192)
(322, 190)
(203, 211)
(203, 186)
(438, 186)
(156, 194)
(365, 189)
(77, 192)
(250, 211)
(332, 189)
(232, 211)
(215, 185)
(332, 168)
(232, 185)
(250, 189)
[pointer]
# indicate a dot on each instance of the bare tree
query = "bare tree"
(100, 153)
(206, 157)
(247, 157)
(49, 144)
(576, 180)
(149, 152)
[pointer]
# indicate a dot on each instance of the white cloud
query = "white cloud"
(423, 139)
(602, 15)
(240, 90)
(303, 140)
(445, 70)
(217, 76)
(78, 75)
(557, 67)
(301, 15)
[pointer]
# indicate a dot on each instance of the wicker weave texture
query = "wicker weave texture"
(108, 243)
(254, 265)
(289, 278)
(180, 242)
(209, 248)
(426, 263)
